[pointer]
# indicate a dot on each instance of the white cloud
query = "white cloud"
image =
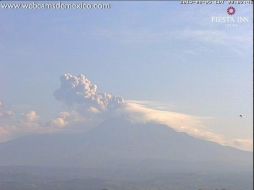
(68, 120)
(31, 116)
(13, 124)
(4, 134)
(88, 107)
(191, 125)
(244, 144)
(61, 120)
(5, 113)
(78, 90)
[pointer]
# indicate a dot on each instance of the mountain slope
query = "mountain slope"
(118, 143)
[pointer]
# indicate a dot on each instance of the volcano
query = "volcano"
(119, 143)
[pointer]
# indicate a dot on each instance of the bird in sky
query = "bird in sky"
(241, 115)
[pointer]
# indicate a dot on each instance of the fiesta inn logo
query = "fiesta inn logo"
(230, 20)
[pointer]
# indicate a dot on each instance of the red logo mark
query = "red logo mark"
(231, 10)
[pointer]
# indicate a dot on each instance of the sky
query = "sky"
(164, 55)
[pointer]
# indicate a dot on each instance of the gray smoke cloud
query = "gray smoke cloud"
(79, 90)
(88, 107)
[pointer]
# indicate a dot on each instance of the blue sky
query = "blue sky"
(154, 51)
